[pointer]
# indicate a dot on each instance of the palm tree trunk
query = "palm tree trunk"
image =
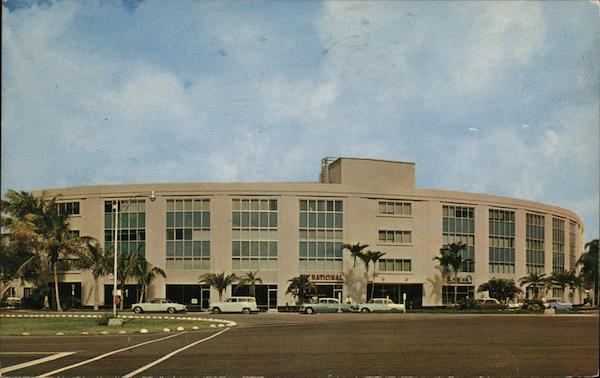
(122, 298)
(455, 287)
(220, 295)
(56, 292)
(95, 293)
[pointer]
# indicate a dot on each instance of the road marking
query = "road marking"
(166, 357)
(54, 372)
(33, 362)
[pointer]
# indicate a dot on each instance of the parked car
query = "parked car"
(327, 305)
(490, 304)
(515, 305)
(11, 302)
(381, 305)
(245, 305)
(555, 304)
(158, 305)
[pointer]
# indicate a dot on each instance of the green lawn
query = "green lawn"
(75, 326)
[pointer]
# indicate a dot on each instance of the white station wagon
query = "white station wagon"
(245, 305)
(158, 305)
(381, 305)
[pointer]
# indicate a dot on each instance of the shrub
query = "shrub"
(103, 320)
(533, 305)
(468, 304)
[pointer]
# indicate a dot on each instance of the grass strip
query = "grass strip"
(75, 326)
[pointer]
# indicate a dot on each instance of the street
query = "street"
(329, 344)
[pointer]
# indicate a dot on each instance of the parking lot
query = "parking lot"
(326, 344)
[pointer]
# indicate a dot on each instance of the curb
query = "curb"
(221, 322)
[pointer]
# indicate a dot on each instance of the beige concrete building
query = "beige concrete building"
(283, 230)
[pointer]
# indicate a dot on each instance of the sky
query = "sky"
(494, 97)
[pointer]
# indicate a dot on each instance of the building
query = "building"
(287, 229)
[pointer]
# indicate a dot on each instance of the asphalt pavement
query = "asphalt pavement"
(321, 345)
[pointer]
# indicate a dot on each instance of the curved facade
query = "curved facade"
(287, 229)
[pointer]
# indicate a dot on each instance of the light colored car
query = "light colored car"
(555, 304)
(381, 305)
(158, 305)
(490, 304)
(326, 305)
(245, 305)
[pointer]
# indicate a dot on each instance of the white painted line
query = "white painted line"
(166, 357)
(35, 362)
(54, 372)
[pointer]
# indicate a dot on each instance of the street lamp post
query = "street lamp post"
(115, 249)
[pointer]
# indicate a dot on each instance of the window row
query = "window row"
(201, 204)
(253, 264)
(535, 258)
(264, 249)
(395, 208)
(502, 242)
(189, 219)
(254, 219)
(395, 236)
(502, 228)
(535, 220)
(502, 215)
(187, 264)
(395, 265)
(127, 246)
(321, 250)
(502, 255)
(125, 206)
(506, 268)
(189, 249)
(126, 220)
(254, 205)
(187, 234)
(320, 265)
(321, 235)
(69, 208)
(254, 234)
(321, 205)
(125, 235)
(458, 238)
(460, 226)
(458, 212)
(321, 220)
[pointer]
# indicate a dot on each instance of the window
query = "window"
(462, 292)
(131, 225)
(395, 265)
(395, 208)
(558, 245)
(534, 243)
(66, 265)
(458, 226)
(321, 226)
(69, 208)
(188, 234)
(395, 237)
(502, 241)
(254, 229)
(572, 244)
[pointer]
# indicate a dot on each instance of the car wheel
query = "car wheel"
(216, 310)
(171, 310)
(309, 310)
(246, 311)
(365, 310)
(138, 310)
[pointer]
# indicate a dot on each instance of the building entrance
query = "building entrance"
(69, 292)
(194, 296)
(266, 295)
(129, 297)
(414, 293)
(329, 290)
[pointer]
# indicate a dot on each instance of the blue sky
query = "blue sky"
(493, 97)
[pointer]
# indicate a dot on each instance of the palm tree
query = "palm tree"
(535, 281)
(355, 250)
(500, 288)
(96, 259)
(127, 264)
(250, 279)
(219, 281)
(300, 286)
(589, 268)
(146, 272)
(562, 279)
(367, 258)
(451, 260)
